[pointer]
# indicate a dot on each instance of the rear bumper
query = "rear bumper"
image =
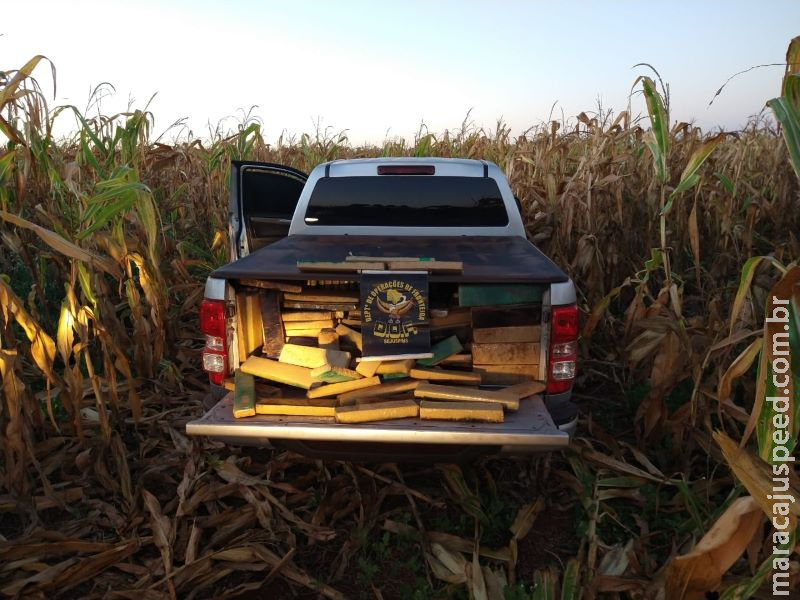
(530, 429)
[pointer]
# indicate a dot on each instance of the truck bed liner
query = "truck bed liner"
(486, 259)
(531, 426)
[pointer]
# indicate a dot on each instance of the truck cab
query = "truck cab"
(511, 310)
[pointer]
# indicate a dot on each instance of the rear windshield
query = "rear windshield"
(407, 201)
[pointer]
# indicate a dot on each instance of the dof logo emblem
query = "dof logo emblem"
(394, 306)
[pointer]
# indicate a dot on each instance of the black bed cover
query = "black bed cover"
(485, 259)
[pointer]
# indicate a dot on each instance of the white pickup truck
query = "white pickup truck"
(447, 209)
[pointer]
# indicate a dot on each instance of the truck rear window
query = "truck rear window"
(407, 201)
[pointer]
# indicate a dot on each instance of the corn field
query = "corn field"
(676, 239)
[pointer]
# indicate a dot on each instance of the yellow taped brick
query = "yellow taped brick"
(390, 367)
(328, 339)
(349, 334)
(380, 411)
(384, 389)
(506, 374)
(332, 296)
(250, 330)
(306, 315)
(296, 407)
(333, 389)
(402, 396)
(311, 357)
(465, 377)
(457, 360)
(465, 394)
(368, 367)
(318, 324)
(495, 335)
(280, 372)
(461, 411)
(309, 333)
(515, 353)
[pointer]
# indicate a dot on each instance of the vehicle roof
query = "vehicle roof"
(428, 160)
(464, 167)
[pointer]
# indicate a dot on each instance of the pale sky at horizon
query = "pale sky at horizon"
(380, 70)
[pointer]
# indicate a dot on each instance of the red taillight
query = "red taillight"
(563, 349)
(406, 170)
(215, 354)
(212, 317)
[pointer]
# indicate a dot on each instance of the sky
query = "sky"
(379, 70)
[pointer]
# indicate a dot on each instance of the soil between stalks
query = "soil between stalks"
(157, 455)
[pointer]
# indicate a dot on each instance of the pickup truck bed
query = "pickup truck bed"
(505, 314)
(530, 427)
(486, 259)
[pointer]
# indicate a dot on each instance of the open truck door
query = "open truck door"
(263, 197)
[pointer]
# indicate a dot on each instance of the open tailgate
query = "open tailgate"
(531, 426)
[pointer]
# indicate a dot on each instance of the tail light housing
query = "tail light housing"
(213, 326)
(563, 352)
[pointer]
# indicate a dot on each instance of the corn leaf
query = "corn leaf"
(789, 118)
(787, 106)
(757, 477)
(747, 588)
(7, 94)
(10, 94)
(571, 588)
(61, 245)
(694, 239)
(43, 348)
(781, 340)
(691, 575)
(792, 68)
(689, 177)
(658, 139)
(115, 197)
(738, 368)
(544, 585)
(746, 278)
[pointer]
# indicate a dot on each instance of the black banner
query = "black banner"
(394, 315)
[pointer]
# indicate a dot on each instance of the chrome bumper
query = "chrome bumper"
(529, 429)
